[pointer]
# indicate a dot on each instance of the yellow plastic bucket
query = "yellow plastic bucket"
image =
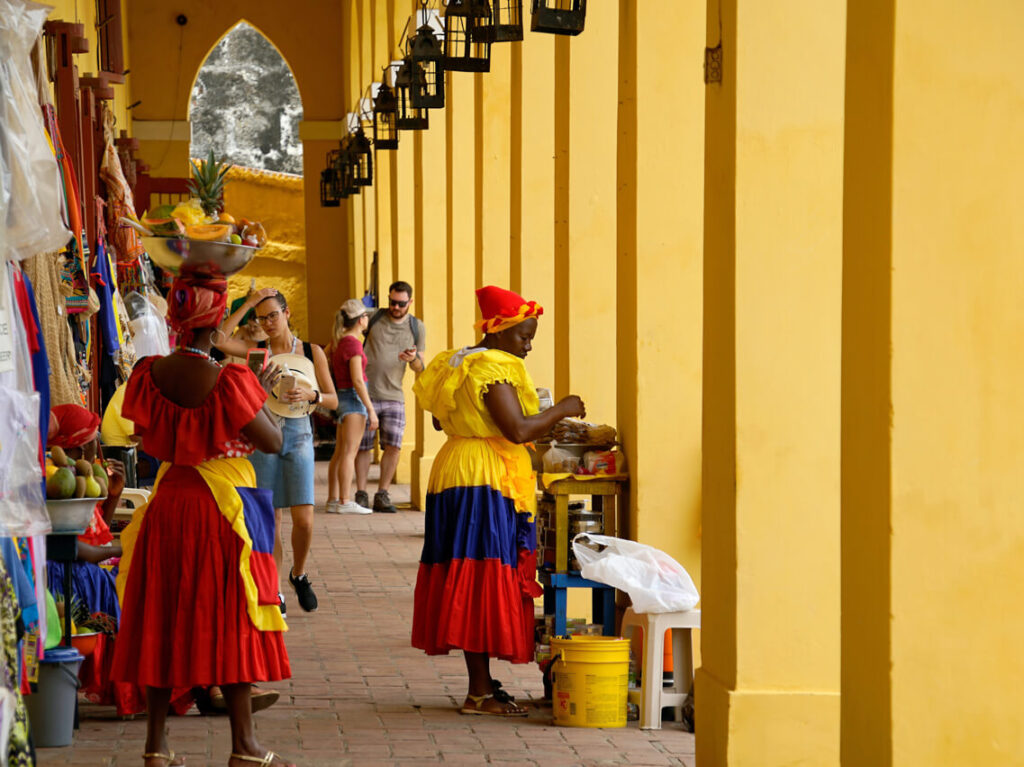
(590, 676)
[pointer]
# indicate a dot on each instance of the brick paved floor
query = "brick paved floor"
(361, 696)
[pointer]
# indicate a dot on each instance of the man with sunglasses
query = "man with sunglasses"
(394, 340)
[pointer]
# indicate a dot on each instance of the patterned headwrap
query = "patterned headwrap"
(503, 309)
(196, 302)
(71, 426)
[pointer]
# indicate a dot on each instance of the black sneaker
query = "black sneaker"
(362, 498)
(304, 591)
(382, 503)
(280, 603)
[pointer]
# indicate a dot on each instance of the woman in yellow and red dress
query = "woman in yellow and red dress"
(476, 582)
(197, 581)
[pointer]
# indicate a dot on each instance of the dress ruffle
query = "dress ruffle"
(188, 436)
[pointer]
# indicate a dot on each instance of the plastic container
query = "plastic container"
(51, 708)
(590, 680)
(71, 516)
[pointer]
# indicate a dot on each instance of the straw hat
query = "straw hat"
(305, 378)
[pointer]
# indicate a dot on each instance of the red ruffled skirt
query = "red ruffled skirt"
(184, 621)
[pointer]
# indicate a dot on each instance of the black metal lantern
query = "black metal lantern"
(330, 183)
(558, 17)
(425, 50)
(360, 158)
(344, 166)
(385, 117)
(410, 79)
(466, 44)
(506, 21)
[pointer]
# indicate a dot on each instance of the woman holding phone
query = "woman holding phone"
(355, 408)
(289, 474)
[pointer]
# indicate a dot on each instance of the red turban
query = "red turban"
(75, 426)
(503, 309)
(196, 302)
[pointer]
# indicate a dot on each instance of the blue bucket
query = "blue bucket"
(51, 708)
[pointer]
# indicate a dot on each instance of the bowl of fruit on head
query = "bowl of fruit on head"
(197, 235)
(73, 488)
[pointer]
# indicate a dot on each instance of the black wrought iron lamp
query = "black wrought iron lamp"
(466, 44)
(345, 174)
(506, 21)
(360, 157)
(385, 119)
(330, 186)
(425, 50)
(409, 80)
(558, 17)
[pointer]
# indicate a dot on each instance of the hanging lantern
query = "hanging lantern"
(558, 17)
(360, 158)
(506, 21)
(344, 169)
(425, 50)
(409, 80)
(330, 186)
(466, 47)
(385, 116)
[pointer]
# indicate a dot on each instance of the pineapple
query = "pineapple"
(207, 184)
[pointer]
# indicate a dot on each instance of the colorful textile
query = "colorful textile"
(475, 586)
(502, 309)
(75, 426)
(197, 581)
(110, 331)
(195, 302)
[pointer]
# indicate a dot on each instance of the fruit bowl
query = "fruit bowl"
(218, 259)
(71, 516)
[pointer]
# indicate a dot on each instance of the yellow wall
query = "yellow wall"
(933, 454)
(278, 199)
(769, 684)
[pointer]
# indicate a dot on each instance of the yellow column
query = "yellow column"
(430, 281)
(532, 269)
(494, 169)
(932, 449)
(404, 263)
(461, 213)
(768, 687)
(661, 180)
(589, 259)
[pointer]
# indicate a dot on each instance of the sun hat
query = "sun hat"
(305, 378)
(502, 309)
(353, 308)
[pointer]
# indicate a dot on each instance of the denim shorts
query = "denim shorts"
(348, 403)
(288, 474)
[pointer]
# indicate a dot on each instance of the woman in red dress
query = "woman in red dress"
(198, 583)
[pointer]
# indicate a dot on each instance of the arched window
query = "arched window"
(245, 105)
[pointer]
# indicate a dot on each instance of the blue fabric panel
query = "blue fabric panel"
(474, 523)
(259, 517)
(90, 583)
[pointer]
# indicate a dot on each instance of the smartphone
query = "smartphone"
(256, 359)
(287, 384)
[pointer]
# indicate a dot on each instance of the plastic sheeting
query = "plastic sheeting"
(30, 185)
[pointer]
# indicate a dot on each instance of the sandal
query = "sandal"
(169, 758)
(478, 707)
(263, 761)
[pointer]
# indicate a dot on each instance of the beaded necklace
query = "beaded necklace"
(194, 352)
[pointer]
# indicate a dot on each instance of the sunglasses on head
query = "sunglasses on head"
(400, 304)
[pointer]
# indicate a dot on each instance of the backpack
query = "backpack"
(414, 326)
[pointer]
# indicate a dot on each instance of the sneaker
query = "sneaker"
(382, 503)
(362, 498)
(280, 603)
(351, 507)
(304, 591)
(332, 507)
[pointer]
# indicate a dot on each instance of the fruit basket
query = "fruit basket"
(199, 256)
(71, 516)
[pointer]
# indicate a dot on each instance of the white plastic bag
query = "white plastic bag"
(148, 328)
(559, 460)
(655, 582)
(30, 190)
